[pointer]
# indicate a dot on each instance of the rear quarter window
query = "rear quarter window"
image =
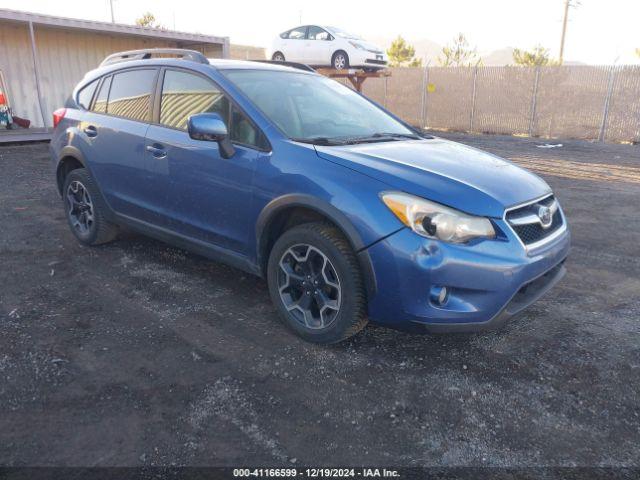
(86, 94)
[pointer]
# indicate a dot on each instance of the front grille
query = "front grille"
(526, 224)
(377, 62)
(533, 232)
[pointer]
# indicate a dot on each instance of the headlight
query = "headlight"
(357, 45)
(433, 220)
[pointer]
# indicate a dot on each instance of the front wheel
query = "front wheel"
(340, 60)
(278, 57)
(316, 284)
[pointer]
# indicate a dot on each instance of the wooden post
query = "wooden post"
(355, 77)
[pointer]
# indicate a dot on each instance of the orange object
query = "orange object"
(3, 99)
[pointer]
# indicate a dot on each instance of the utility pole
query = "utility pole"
(567, 4)
(113, 20)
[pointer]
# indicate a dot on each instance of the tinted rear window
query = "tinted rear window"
(100, 105)
(130, 94)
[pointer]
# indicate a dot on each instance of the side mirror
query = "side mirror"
(210, 127)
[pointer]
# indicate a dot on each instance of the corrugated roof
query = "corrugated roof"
(106, 27)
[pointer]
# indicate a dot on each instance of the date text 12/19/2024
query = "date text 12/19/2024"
(315, 472)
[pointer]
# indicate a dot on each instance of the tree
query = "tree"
(148, 20)
(459, 54)
(401, 53)
(538, 56)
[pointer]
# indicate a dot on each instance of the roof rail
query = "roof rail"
(299, 66)
(146, 53)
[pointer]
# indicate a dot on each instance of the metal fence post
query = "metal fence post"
(473, 99)
(36, 71)
(607, 101)
(534, 101)
(423, 119)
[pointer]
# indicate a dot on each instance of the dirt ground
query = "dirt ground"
(137, 353)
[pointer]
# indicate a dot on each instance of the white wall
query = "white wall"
(64, 56)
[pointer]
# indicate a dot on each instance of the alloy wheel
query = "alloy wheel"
(309, 286)
(339, 62)
(80, 207)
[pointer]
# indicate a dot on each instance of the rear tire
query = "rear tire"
(340, 60)
(316, 284)
(278, 57)
(86, 210)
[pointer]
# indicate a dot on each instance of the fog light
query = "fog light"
(439, 295)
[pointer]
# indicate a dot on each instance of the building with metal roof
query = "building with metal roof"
(43, 57)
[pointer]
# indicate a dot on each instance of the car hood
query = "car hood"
(446, 172)
(369, 46)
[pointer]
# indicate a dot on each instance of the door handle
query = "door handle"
(91, 131)
(157, 151)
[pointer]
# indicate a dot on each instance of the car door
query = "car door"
(294, 45)
(115, 131)
(208, 197)
(318, 46)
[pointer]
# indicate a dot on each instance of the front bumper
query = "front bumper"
(365, 58)
(487, 281)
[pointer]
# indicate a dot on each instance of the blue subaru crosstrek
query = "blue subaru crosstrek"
(348, 212)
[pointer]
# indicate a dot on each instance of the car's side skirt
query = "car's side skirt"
(194, 245)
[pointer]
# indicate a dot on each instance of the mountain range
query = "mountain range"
(429, 51)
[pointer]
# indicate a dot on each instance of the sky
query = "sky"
(599, 31)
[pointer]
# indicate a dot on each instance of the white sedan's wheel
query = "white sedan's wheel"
(340, 60)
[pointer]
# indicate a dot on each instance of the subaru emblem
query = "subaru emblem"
(544, 214)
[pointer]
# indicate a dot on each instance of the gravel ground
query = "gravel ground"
(137, 353)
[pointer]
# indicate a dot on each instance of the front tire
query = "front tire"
(85, 209)
(278, 57)
(316, 284)
(340, 60)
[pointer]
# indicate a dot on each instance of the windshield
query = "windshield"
(341, 33)
(316, 109)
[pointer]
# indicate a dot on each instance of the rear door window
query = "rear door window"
(130, 94)
(100, 105)
(86, 94)
(298, 33)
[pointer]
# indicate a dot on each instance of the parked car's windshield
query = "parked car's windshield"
(316, 109)
(342, 34)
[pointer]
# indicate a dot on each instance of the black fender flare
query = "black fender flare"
(76, 153)
(325, 209)
(69, 151)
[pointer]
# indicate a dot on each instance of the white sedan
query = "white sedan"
(327, 46)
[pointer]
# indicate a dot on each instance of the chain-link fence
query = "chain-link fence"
(586, 102)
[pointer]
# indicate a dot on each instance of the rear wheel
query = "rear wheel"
(85, 209)
(278, 57)
(316, 284)
(340, 60)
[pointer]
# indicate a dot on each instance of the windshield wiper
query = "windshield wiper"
(396, 135)
(376, 137)
(318, 141)
(380, 137)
